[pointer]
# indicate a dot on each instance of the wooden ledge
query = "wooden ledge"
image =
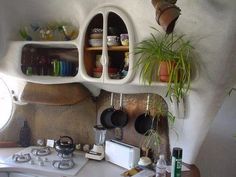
(55, 94)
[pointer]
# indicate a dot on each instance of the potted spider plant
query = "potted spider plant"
(171, 53)
(151, 141)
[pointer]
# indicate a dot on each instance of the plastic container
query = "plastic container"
(176, 162)
(161, 167)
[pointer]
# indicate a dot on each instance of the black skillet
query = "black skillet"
(105, 117)
(119, 118)
(143, 122)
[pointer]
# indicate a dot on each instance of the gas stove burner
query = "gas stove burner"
(41, 151)
(64, 164)
(65, 156)
(21, 158)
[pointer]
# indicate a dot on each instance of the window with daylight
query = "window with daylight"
(5, 104)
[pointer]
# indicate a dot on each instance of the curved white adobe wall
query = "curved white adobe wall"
(211, 23)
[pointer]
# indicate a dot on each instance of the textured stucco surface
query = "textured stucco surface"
(210, 23)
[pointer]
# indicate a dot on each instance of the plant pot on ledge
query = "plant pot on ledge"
(173, 50)
(165, 68)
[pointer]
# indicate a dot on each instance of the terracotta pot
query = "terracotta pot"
(164, 70)
(154, 2)
(166, 15)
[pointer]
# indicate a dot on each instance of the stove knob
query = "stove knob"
(41, 163)
(39, 159)
(31, 162)
(45, 159)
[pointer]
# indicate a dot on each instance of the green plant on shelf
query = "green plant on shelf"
(166, 58)
(152, 139)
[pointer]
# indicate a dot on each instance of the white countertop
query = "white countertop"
(91, 169)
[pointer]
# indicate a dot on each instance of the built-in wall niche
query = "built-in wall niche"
(107, 47)
(93, 47)
(116, 25)
(46, 60)
(135, 105)
(117, 38)
(48, 31)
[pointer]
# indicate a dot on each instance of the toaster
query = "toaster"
(121, 154)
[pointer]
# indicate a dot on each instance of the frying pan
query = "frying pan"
(119, 118)
(144, 121)
(105, 117)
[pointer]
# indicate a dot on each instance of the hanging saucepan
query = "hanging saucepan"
(105, 117)
(65, 145)
(143, 122)
(119, 118)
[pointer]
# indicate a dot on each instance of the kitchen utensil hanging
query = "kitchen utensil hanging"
(105, 117)
(119, 118)
(144, 121)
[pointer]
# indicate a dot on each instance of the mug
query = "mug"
(98, 63)
(113, 40)
(124, 39)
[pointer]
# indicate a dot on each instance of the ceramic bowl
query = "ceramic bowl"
(95, 42)
(96, 36)
(144, 161)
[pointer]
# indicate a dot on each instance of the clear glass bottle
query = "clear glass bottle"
(161, 167)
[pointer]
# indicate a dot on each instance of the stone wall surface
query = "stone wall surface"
(77, 121)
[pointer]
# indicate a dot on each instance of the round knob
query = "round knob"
(45, 159)
(40, 142)
(41, 163)
(31, 162)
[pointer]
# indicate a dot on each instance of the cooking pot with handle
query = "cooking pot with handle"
(105, 117)
(65, 145)
(119, 118)
(144, 121)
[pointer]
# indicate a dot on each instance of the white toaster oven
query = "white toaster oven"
(121, 154)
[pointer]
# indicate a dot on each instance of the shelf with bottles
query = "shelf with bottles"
(108, 35)
(49, 60)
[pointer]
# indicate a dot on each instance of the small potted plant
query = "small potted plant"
(152, 139)
(171, 53)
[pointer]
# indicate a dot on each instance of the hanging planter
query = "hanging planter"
(167, 14)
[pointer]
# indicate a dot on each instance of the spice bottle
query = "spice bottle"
(176, 162)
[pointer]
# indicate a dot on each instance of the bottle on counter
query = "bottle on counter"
(161, 167)
(25, 135)
(176, 162)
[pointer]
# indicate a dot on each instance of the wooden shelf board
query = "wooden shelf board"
(111, 48)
